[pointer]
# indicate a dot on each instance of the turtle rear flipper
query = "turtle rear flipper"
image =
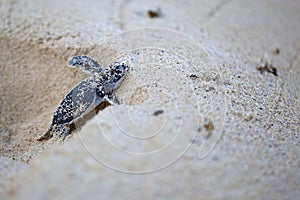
(63, 131)
(47, 135)
(60, 131)
(85, 63)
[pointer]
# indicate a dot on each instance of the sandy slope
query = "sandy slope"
(200, 68)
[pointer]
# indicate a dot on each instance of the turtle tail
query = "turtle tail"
(47, 135)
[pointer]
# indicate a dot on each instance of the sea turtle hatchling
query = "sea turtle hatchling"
(88, 94)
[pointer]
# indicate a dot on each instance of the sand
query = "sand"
(210, 107)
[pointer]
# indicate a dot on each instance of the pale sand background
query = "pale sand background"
(255, 116)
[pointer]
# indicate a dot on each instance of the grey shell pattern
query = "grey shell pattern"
(81, 99)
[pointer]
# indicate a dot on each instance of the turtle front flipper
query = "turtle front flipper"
(85, 63)
(112, 99)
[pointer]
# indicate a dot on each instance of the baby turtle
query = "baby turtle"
(88, 94)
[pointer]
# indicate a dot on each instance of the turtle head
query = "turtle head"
(118, 72)
(112, 77)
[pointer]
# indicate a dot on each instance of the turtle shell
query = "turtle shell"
(79, 101)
